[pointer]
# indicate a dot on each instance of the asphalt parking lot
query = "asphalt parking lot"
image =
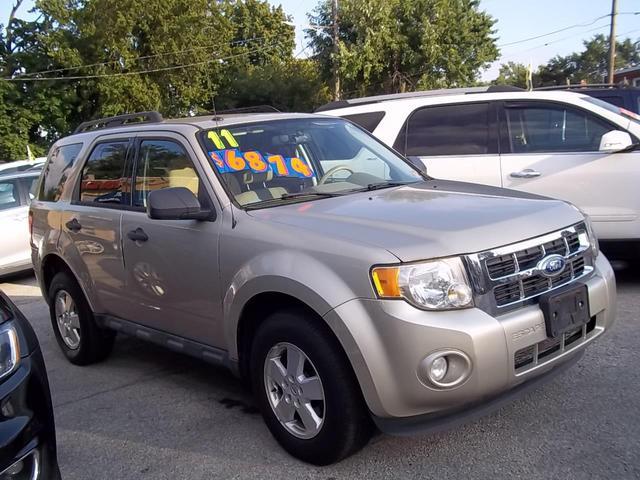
(150, 413)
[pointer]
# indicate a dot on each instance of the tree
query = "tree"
(397, 45)
(591, 64)
(516, 74)
(109, 57)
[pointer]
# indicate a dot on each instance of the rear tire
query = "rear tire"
(317, 431)
(81, 340)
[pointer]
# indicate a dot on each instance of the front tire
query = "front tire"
(75, 329)
(306, 389)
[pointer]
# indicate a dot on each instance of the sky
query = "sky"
(517, 20)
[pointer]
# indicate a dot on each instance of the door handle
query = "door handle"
(138, 235)
(526, 173)
(73, 225)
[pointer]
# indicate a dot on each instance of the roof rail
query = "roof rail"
(425, 93)
(255, 109)
(109, 122)
(578, 86)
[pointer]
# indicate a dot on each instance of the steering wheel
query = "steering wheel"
(331, 171)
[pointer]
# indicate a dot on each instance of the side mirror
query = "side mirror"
(418, 163)
(615, 140)
(175, 203)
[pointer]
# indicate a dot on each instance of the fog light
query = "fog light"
(438, 369)
(444, 369)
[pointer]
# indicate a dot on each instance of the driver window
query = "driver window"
(539, 128)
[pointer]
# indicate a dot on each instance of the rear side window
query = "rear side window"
(163, 164)
(540, 127)
(369, 121)
(55, 173)
(462, 129)
(9, 197)
(104, 180)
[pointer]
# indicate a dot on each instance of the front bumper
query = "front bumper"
(386, 340)
(26, 419)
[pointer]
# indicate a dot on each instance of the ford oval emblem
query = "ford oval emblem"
(552, 266)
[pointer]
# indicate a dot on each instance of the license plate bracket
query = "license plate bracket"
(565, 309)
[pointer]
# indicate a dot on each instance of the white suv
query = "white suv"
(558, 144)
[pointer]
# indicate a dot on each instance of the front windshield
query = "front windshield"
(277, 161)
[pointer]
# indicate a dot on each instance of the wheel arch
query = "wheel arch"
(53, 264)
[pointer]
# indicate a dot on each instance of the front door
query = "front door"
(455, 142)
(171, 265)
(553, 151)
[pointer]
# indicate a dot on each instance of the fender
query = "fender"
(293, 273)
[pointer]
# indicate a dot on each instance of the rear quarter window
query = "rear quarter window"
(369, 121)
(56, 171)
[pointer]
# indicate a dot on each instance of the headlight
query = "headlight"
(434, 285)
(9, 350)
(593, 240)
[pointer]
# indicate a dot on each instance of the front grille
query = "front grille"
(509, 277)
(527, 258)
(548, 348)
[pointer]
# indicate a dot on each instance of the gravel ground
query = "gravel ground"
(148, 413)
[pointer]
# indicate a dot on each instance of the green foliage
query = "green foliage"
(591, 64)
(398, 45)
(512, 73)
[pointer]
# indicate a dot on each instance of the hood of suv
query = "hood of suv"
(430, 219)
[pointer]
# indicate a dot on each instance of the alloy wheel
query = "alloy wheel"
(294, 390)
(67, 319)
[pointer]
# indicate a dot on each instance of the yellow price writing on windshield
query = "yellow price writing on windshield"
(226, 135)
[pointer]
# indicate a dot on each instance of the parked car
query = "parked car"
(622, 96)
(27, 430)
(16, 192)
(557, 144)
(21, 166)
(347, 288)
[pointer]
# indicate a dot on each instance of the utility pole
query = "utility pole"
(336, 50)
(612, 40)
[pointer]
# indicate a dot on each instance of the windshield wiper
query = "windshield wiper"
(291, 196)
(379, 185)
(287, 196)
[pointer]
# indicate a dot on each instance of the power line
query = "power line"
(577, 25)
(140, 72)
(137, 59)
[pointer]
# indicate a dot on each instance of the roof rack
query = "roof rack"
(425, 93)
(578, 86)
(255, 109)
(110, 122)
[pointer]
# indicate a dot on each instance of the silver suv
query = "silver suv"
(348, 289)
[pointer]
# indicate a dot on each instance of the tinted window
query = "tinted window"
(450, 130)
(56, 171)
(163, 164)
(9, 196)
(553, 128)
(616, 100)
(103, 177)
(369, 121)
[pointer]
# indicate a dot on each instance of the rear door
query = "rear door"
(91, 224)
(455, 142)
(14, 241)
(552, 149)
(172, 274)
